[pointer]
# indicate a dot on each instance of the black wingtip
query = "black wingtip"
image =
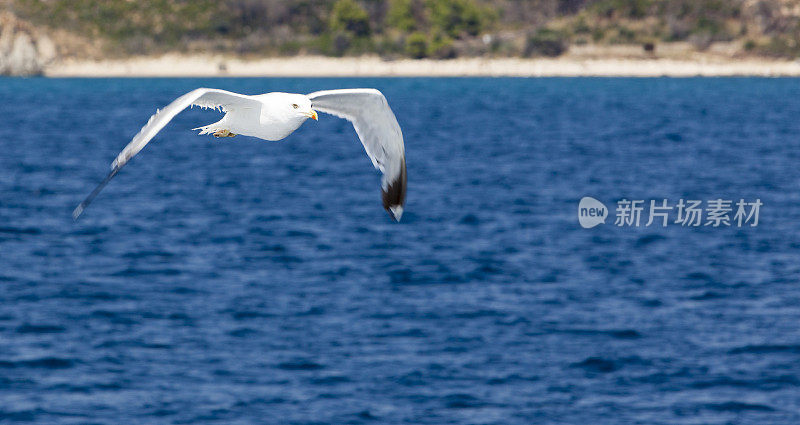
(80, 208)
(394, 196)
(78, 211)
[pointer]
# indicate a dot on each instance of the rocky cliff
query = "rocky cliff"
(24, 50)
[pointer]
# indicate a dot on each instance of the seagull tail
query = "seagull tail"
(394, 194)
(211, 128)
(79, 209)
(206, 129)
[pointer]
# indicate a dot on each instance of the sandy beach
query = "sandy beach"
(371, 66)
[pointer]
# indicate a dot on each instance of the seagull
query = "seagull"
(273, 116)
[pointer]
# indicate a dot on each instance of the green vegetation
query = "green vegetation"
(401, 15)
(459, 17)
(349, 16)
(418, 28)
(545, 42)
(417, 45)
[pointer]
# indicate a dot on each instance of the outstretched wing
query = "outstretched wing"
(379, 132)
(205, 98)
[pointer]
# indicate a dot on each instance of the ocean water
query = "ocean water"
(237, 281)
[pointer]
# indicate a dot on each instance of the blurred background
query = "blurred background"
(393, 29)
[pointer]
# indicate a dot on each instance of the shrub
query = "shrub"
(336, 44)
(545, 42)
(635, 9)
(417, 45)
(624, 35)
(781, 46)
(347, 15)
(401, 16)
(390, 47)
(441, 47)
(457, 17)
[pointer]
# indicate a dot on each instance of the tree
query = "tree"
(458, 17)
(401, 16)
(349, 16)
(417, 45)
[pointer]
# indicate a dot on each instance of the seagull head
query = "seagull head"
(300, 105)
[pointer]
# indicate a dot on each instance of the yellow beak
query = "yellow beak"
(313, 115)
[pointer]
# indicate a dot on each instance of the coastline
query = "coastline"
(175, 65)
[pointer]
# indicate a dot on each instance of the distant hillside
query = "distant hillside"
(415, 28)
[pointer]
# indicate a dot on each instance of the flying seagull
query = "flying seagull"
(273, 116)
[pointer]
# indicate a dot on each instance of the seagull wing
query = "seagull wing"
(205, 98)
(379, 132)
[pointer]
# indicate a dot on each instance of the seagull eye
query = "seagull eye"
(295, 106)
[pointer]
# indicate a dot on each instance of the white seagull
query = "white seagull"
(273, 116)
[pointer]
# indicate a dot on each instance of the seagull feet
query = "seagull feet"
(223, 133)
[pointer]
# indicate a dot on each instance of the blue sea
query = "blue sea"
(238, 281)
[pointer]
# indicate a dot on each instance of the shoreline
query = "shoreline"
(174, 65)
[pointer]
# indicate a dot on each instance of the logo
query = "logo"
(591, 212)
(717, 212)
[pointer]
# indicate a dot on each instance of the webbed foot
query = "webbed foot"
(223, 133)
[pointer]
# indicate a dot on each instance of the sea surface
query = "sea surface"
(237, 281)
